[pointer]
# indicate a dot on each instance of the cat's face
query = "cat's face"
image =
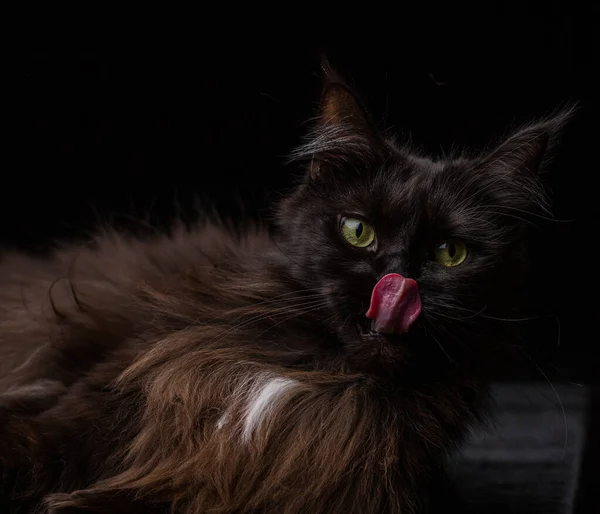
(369, 210)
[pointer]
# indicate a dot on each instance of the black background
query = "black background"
(134, 129)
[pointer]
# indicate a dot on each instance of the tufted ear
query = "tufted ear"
(340, 105)
(528, 148)
(344, 134)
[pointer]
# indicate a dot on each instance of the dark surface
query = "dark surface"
(530, 461)
(588, 497)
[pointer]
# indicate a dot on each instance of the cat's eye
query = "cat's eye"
(357, 232)
(451, 253)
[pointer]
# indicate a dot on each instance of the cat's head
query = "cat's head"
(415, 256)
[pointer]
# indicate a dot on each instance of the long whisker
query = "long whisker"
(522, 350)
(558, 331)
(509, 215)
(450, 360)
(267, 303)
(480, 313)
(529, 213)
(242, 311)
(295, 315)
(290, 296)
(512, 320)
(278, 312)
(564, 414)
(472, 314)
(442, 328)
(266, 315)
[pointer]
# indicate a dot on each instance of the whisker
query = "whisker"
(242, 311)
(272, 301)
(307, 310)
(450, 360)
(512, 320)
(472, 314)
(480, 313)
(279, 311)
(529, 213)
(441, 328)
(266, 315)
(508, 215)
(564, 414)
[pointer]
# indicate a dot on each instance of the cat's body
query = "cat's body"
(207, 372)
(180, 291)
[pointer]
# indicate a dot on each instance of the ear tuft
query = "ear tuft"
(528, 149)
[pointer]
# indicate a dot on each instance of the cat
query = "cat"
(327, 367)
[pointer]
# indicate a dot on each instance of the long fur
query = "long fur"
(205, 371)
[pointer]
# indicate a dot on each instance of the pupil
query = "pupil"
(451, 250)
(359, 230)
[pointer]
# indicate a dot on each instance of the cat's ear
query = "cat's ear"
(528, 149)
(344, 136)
(340, 105)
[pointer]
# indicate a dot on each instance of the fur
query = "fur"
(207, 371)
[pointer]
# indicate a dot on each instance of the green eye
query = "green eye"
(357, 232)
(451, 253)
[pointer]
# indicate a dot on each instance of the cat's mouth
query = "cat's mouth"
(365, 330)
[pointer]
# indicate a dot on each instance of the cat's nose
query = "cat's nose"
(395, 304)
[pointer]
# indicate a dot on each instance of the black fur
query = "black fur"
(120, 360)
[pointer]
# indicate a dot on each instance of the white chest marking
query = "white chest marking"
(263, 397)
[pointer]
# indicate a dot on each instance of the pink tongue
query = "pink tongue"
(395, 304)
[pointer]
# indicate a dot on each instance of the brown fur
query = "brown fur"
(145, 395)
(205, 372)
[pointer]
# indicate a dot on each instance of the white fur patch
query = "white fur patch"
(260, 394)
(222, 420)
(263, 398)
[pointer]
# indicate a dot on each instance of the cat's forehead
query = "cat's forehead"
(405, 191)
(422, 185)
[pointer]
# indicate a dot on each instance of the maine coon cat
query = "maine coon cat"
(326, 368)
